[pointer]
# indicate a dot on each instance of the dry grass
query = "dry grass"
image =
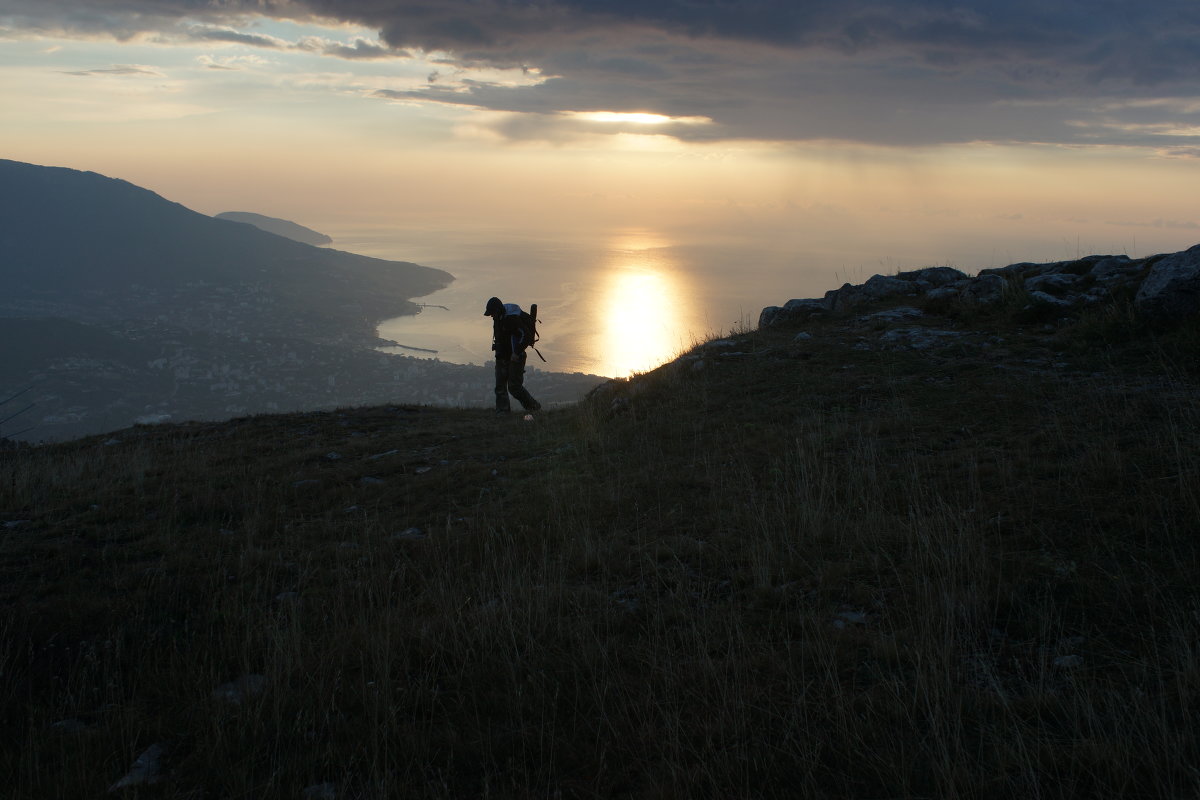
(808, 571)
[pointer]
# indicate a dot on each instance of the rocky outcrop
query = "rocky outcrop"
(1165, 287)
(1172, 289)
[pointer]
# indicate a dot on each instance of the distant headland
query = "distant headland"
(279, 227)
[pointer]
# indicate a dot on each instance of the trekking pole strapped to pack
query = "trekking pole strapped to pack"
(533, 332)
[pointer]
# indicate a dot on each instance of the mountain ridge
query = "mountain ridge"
(279, 227)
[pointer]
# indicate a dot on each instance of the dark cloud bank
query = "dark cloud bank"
(911, 72)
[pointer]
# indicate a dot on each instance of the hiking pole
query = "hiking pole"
(533, 314)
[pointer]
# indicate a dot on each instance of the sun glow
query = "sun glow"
(642, 314)
(637, 118)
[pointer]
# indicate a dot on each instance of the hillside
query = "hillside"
(82, 246)
(817, 559)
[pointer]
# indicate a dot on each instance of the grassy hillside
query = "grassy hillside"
(776, 567)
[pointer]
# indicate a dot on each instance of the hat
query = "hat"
(494, 306)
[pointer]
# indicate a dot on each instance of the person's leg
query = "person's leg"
(503, 367)
(516, 383)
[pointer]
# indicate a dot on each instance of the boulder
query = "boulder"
(1054, 283)
(986, 290)
(1044, 300)
(932, 277)
(948, 292)
(1172, 289)
(1026, 269)
(1116, 270)
(877, 287)
(791, 311)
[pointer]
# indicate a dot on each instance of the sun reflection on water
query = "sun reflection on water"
(642, 316)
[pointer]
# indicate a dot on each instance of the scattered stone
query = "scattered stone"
(422, 470)
(111, 442)
(382, 455)
(306, 482)
(627, 598)
(17, 523)
(146, 769)
(900, 314)
(802, 336)
(409, 534)
(850, 618)
(333, 456)
(70, 726)
(918, 338)
(369, 480)
(320, 791)
(1068, 662)
(239, 691)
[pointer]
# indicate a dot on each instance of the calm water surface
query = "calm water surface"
(610, 304)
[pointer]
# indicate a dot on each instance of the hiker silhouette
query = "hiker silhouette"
(512, 333)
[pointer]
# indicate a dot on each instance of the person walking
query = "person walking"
(510, 337)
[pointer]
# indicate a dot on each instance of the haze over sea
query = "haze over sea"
(610, 303)
(618, 301)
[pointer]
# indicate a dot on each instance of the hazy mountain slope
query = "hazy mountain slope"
(279, 227)
(80, 244)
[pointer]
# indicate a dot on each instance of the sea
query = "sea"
(610, 303)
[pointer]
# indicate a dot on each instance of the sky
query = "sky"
(905, 132)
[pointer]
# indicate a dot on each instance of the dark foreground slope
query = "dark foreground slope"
(778, 567)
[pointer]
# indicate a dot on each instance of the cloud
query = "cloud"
(231, 36)
(898, 72)
(230, 63)
(118, 70)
